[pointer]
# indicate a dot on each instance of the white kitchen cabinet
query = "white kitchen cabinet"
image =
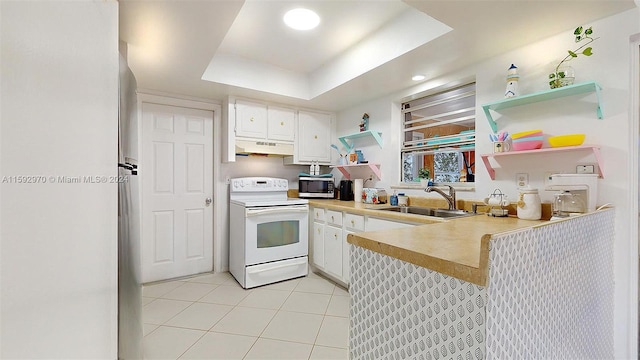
(330, 248)
(251, 119)
(280, 123)
(314, 137)
(317, 256)
(354, 222)
(346, 274)
(333, 251)
(375, 224)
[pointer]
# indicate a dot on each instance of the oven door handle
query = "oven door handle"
(278, 210)
(276, 267)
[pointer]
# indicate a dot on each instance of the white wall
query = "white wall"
(59, 69)
(610, 67)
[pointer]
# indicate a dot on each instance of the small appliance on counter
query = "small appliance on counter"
(497, 202)
(584, 186)
(346, 190)
(316, 187)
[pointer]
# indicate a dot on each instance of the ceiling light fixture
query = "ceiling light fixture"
(418, 77)
(301, 19)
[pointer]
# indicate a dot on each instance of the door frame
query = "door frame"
(152, 97)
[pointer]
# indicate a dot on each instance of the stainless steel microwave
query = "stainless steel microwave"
(315, 187)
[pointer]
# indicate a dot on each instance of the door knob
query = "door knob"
(208, 201)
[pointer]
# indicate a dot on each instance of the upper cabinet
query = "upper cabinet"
(259, 121)
(256, 127)
(281, 123)
(314, 137)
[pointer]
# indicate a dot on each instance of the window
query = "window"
(439, 135)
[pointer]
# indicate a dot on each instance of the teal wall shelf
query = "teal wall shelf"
(570, 90)
(368, 133)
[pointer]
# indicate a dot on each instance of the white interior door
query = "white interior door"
(177, 187)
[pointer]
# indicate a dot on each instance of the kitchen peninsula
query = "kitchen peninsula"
(483, 287)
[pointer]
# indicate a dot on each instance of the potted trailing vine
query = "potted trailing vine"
(423, 174)
(564, 74)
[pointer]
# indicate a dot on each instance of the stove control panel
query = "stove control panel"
(259, 184)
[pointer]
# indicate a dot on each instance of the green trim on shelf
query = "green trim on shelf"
(576, 89)
(375, 134)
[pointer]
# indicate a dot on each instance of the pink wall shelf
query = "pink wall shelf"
(344, 169)
(492, 172)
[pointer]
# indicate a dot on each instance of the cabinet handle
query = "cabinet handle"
(281, 123)
(332, 218)
(335, 236)
(318, 231)
(251, 119)
(353, 222)
(315, 136)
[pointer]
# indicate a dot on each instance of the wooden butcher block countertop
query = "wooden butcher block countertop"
(456, 247)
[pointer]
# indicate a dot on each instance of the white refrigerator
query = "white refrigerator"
(129, 260)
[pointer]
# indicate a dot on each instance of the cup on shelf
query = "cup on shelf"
(501, 146)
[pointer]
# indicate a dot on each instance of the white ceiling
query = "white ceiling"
(355, 55)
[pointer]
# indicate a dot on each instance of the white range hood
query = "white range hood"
(263, 147)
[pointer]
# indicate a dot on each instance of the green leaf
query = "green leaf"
(561, 74)
(587, 51)
(578, 30)
(578, 38)
(552, 75)
(588, 31)
(573, 54)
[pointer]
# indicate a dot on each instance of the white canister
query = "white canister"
(529, 206)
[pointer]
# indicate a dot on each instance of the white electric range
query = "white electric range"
(268, 239)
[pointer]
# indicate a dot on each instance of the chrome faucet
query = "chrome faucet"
(451, 198)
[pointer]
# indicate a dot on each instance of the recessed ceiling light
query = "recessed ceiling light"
(418, 77)
(301, 19)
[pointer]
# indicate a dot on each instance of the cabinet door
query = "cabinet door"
(281, 123)
(317, 257)
(251, 119)
(345, 257)
(333, 251)
(354, 222)
(314, 137)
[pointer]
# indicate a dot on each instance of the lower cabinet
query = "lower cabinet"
(317, 254)
(330, 228)
(333, 251)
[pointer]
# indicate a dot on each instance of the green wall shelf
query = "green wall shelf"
(368, 133)
(570, 90)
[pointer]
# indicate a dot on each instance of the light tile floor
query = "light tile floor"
(211, 317)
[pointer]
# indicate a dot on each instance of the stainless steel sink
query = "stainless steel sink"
(418, 210)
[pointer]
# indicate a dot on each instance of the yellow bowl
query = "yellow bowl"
(566, 140)
(526, 133)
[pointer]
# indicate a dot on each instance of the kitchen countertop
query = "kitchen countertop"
(456, 247)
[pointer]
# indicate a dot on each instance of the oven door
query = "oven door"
(276, 233)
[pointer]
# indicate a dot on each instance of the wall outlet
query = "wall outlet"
(522, 179)
(586, 169)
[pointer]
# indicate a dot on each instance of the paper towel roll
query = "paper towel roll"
(357, 190)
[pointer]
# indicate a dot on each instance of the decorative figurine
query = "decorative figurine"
(512, 82)
(364, 124)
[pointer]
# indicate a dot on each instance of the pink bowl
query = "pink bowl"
(526, 145)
